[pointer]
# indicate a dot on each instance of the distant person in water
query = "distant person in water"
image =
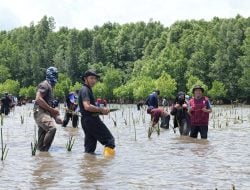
(139, 105)
(164, 102)
(44, 113)
(101, 102)
(152, 100)
(6, 104)
(71, 109)
(180, 113)
(199, 110)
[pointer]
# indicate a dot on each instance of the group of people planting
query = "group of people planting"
(190, 115)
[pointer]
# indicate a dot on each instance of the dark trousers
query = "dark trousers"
(165, 122)
(45, 138)
(71, 116)
(5, 110)
(95, 130)
(46, 129)
(199, 129)
(184, 127)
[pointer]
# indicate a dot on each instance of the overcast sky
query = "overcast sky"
(88, 13)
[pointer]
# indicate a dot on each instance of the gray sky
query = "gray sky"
(88, 13)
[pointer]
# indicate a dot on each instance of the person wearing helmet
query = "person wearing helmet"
(180, 112)
(94, 129)
(199, 112)
(44, 113)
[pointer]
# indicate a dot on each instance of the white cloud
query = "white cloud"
(88, 13)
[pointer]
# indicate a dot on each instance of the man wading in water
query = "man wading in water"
(199, 110)
(44, 113)
(94, 129)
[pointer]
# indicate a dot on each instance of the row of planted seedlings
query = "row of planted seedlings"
(69, 144)
(129, 116)
(12, 114)
(4, 149)
(223, 117)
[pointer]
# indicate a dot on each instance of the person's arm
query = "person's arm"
(43, 104)
(208, 108)
(91, 108)
(174, 109)
(85, 94)
(190, 110)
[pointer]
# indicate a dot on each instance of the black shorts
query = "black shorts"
(199, 129)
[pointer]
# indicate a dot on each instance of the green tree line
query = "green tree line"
(133, 59)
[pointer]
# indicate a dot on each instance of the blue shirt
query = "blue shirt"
(152, 101)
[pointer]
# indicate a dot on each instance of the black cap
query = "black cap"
(198, 87)
(90, 73)
(181, 93)
(157, 92)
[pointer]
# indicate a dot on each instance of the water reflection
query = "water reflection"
(47, 171)
(93, 169)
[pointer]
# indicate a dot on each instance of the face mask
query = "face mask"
(51, 76)
(52, 82)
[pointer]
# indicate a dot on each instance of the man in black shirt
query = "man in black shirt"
(94, 129)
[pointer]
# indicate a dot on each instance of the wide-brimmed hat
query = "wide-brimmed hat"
(198, 87)
(90, 73)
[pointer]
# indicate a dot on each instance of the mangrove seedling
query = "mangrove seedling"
(150, 131)
(233, 187)
(4, 150)
(70, 143)
(22, 119)
(143, 119)
(158, 129)
(125, 122)
(33, 148)
(122, 112)
(1, 120)
(226, 123)
(115, 123)
(134, 128)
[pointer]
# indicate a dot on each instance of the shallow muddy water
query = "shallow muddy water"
(167, 161)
